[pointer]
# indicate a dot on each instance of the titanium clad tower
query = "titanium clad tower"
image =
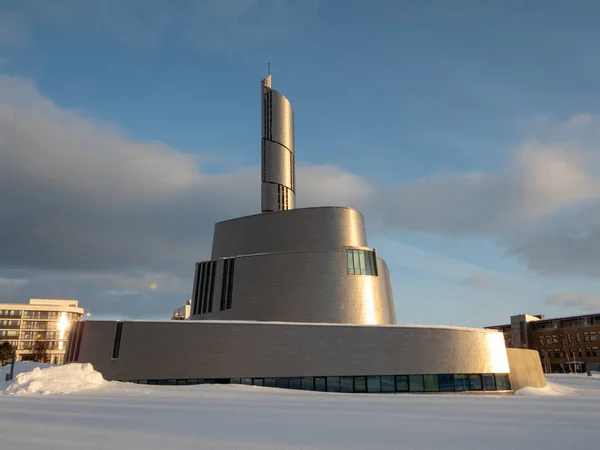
(290, 264)
(278, 192)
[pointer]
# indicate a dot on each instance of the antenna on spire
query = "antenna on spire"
(269, 69)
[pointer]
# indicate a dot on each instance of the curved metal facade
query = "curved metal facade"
(301, 287)
(292, 266)
(327, 228)
(197, 349)
(311, 266)
(278, 192)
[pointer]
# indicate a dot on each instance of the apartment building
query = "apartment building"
(47, 320)
(565, 344)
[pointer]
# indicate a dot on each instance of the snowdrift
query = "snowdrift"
(56, 380)
(20, 367)
(550, 389)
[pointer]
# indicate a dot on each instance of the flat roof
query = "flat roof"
(307, 324)
(582, 316)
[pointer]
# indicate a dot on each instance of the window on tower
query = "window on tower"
(361, 262)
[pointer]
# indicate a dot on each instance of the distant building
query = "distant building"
(42, 319)
(183, 312)
(565, 344)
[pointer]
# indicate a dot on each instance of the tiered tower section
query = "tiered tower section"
(278, 192)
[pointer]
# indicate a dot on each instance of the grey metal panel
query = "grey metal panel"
(307, 229)
(279, 164)
(190, 349)
(307, 287)
(282, 130)
(290, 198)
(268, 194)
(98, 339)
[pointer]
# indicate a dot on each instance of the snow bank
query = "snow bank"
(20, 367)
(551, 389)
(56, 380)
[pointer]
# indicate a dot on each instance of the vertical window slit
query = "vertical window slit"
(117, 344)
(224, 285)
(213, 266)
(230, 283)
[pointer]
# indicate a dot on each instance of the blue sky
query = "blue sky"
(465, 131)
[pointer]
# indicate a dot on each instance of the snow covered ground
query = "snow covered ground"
(110, 415)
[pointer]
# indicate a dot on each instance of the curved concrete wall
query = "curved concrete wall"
(525, 368)
(304, 287)
(196, 349)
(326, 228)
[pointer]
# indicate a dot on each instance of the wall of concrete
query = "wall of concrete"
(525, 368)
(204, 349)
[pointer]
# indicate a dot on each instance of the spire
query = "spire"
(277, 162)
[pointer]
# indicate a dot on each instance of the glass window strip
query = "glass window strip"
(117, 343)
(361, 261)
(211, 293)
(350, 262)
(224, 285)
(230, 283)
(358, 384)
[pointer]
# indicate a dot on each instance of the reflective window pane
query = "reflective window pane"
(346, 384)
(350, 262)
(360, 384)
(502, 383)
(283, 383)
(475, 382)
(333, 384)
(356, 262)
(446, 382)
(368, 267)
(320, 384)
(416, 383)
(430, 383)
(489, 382)
(296, 383)
(373, 384)
(270, 382)
(461, 382)
(258, 382)
(401, 383)
(247, 381)
(387, 383)
(361, 260)
(308, 384)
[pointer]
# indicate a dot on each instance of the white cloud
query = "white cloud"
(80, 197)
(84, 205)
(542, 179)
(481, 280)
(587, 302)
